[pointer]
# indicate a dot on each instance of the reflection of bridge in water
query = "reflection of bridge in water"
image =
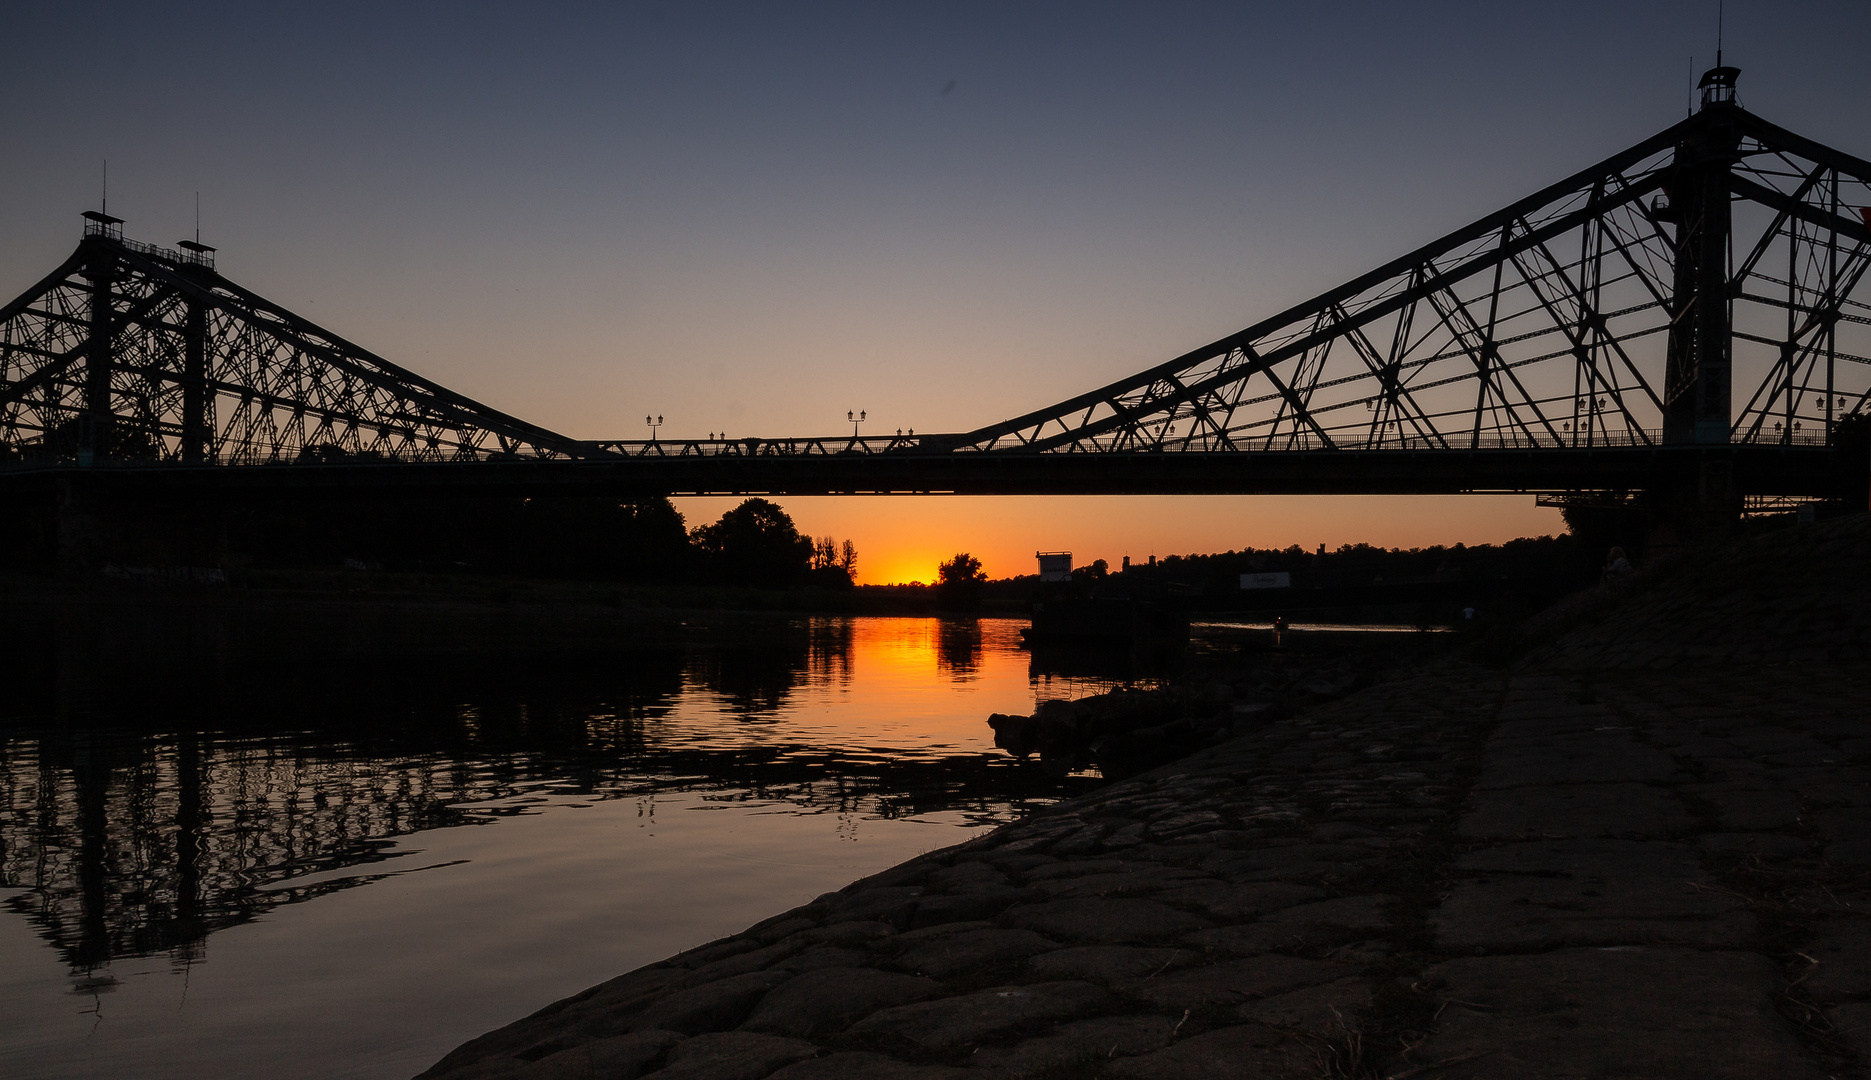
(1687, 317)
(182, 789)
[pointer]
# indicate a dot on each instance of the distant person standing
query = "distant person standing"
(1279, 632)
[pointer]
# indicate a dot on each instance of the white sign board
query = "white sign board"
(1281, 580)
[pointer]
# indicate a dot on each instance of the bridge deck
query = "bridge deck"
(1745, 469)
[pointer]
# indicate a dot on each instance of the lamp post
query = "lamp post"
(855, 419)
(653, 424)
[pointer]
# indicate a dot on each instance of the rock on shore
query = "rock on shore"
(1638, 852)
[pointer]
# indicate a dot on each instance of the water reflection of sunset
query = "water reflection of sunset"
(737, 763)
(904, 686)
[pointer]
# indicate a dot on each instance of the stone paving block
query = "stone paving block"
(604, 1010)
(1852, 1025)
(1089, 867)
(864, 1066)
(1659, 1014)
(1845, 823)
(965, 875)
(1842, 946)
(1107, 963)
(1586, 859)
(1772, 845)
(1542, 716)
(1103, 921)
(1236, 901)
(1247, 1051)
(1581, 810)
(1849, 853)
(952, 954)
(817, 959)
(1590, 757)
(732, 1055)
(779, 927)
(709, 952)
(1287, 862)
(1586, 892)
(1830, 785)
(715, 1006)
(953, 1023)
(1744, 808)
(1255, 938)
(1131, 883)
(1075, 1049)
(1332, 1007)
(821, 1002)
(1232, 982)
(1770, 742)
(623, 1057)
(743, 962)
(1698, 747)
(893, 905)
(847, 934)
(493, 1068)
(911, 938)
(982, 904)
(1356, 913)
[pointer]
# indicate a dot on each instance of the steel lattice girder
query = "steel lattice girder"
(1544, 325)
(273, 387)
(1554, 324)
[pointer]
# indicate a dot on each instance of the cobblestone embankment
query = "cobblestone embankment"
(1637, 853)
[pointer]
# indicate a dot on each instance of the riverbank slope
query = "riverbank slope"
(1637, 848)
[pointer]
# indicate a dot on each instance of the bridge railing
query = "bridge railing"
(1238, 442)
(115, 232)
(33, 457)
(817, 446)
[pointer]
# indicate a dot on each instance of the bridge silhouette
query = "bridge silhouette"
(1688, 315)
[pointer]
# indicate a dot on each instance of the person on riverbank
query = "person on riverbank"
(1617, 566)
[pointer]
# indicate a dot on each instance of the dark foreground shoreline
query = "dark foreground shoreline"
(1637, 850)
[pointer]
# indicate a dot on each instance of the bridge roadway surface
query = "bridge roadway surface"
(1751, 469)
(1641, 851)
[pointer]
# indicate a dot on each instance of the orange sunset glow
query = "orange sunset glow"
(903, 538)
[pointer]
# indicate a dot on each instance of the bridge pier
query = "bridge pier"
(90, 528)
(1690, 511)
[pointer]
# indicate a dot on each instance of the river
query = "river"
(349, 872)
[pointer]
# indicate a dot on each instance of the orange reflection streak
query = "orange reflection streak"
(908, 685)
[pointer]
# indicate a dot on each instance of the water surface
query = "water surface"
(350, 866)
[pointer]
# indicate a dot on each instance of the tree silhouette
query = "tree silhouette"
(959, 581)
(756, 543)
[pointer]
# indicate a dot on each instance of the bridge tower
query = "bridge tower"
(1699, 359)
(100, 269)
(1697, 379)
(197, 432)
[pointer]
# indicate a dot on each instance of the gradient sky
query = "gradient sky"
(752, 217)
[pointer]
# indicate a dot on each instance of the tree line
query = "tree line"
(754, 544)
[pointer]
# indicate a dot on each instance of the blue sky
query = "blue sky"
(753, 217)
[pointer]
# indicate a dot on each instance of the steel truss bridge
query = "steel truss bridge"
(1690, 312)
